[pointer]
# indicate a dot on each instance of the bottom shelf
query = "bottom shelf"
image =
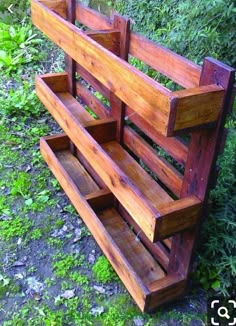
(143, 275)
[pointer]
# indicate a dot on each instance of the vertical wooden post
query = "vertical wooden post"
(117, 106)
(70, 63)
(203, 151)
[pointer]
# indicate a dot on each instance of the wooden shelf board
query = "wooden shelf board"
(141, 179)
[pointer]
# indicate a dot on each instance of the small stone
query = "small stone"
(99, 289)
(19, 241)
(91, 259)
(18, 263)
(19, 276)
(138, 321)
(36, 297)
(34, 285)
(97, 311)
(68, 294)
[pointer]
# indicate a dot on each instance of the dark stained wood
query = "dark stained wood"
(158, 251)
(100, 199)
(91, 18)
(109, 39)
(117, 106)
(70, 64)
(141, 260)
(203, 151)
(171, 145)
(147, 235)
(182, 71)
(128, 275)
(115, 179)
(164, 170)
(100, 109)
(102, 131)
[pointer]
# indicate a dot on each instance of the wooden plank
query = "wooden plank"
(100, 199)
(74, 107)
(70, 64)
(117, 106)
(158, 251)
(57, 6)
(109, 39)
(96, 84)
(203, 151)
(172, 286)
(140, 178)
(181, 70)
(198, 106)
(163, 169)
(57, 82)
(102, 131)
(58, 142)
(171, 145)
(76, 171)
(149, 98)
(100, 109)
(91, 18)
(179, 215)
(143, 263)
(115, 179)
(127, 274)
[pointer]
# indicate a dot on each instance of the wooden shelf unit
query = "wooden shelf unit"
(146, 226)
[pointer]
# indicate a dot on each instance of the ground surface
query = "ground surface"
(50, 270)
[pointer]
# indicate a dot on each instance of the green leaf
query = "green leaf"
(215, 285)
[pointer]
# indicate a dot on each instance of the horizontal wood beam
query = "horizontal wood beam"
(119, 184)
(171, 145)
(88, 98)
(181, 70)
(151, 100)
(163, 169)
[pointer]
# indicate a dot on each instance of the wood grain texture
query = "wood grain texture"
(103, 130)
(110, 39)
(158, 165)
(171, 145)
(100, 109)
(100, 200)
(70, 64)
(198, 106)
(150, 99)
(57, 6)
(179, 69)
(128, 275)
(115, 179)
(117, 106)
(141, 260)
(203, 150)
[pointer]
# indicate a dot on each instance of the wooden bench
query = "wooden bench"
(146, 226)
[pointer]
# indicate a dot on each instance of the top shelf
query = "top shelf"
(170, 112)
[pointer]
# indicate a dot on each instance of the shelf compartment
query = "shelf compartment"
(169, 112)
(141, 273)
(158, 215)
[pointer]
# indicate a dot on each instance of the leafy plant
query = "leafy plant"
(20, 102)
(103, 270)
(14, 227)
(17, 45)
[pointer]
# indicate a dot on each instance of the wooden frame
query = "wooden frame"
(96, 160)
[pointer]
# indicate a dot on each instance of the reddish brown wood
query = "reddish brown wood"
(124, 207)
(70, 63)
(203, 151)
(171, 145)
(100, 109)
(164, 170)
(117, 106)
